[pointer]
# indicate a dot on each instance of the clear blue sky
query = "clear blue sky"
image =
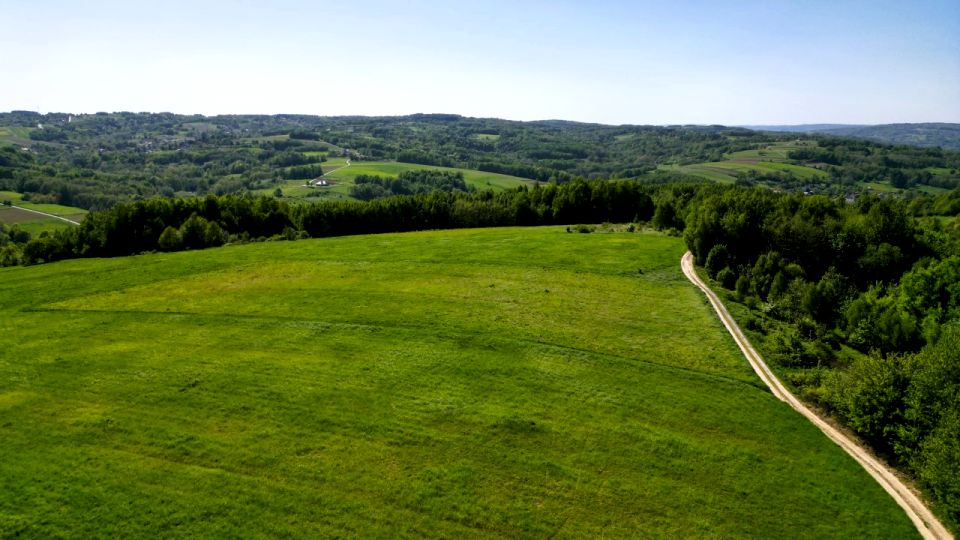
(642, 62)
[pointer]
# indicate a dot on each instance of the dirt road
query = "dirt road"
(61, 218)
(926, 523)
(335, 170)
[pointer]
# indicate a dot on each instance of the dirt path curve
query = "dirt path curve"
(61, 218)
(926, 523)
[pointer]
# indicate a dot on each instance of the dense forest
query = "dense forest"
(96, 161)
(849, 161)
(859, 304)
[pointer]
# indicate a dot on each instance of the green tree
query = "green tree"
(870, 396)
(10, 255)
(170, 240)
(717, 259)
(214, 235)
(193, 232)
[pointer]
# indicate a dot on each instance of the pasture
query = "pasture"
(469, 383)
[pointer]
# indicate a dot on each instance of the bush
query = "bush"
(869, 395)
(743, 287)
(717, 259)
(214, 235)
(170, 239)
(727, 278)
(938, 463)
(193, 232)
(10, 255)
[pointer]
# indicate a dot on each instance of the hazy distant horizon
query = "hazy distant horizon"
(748, 126)
(613, 62)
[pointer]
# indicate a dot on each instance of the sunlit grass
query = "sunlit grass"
(499, 382)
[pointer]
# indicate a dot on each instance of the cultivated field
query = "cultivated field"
(33, 222)
(770, 159)
(498, 382)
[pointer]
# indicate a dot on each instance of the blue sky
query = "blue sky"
(736, 62)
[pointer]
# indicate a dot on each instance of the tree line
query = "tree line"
(194, 223)
(367, 187)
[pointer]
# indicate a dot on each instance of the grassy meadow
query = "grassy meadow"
(19, 136)
(471, 383)
(336, 170)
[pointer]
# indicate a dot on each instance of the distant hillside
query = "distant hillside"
(944, 135)
(805, 128)
(930, 134)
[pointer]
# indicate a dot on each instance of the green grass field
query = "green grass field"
(19, 136)
(12, 196)
(31, 222)
(474, 383)
(69, 212)
(478, 179)
(36, 223)
(34, 226)
(879, 186)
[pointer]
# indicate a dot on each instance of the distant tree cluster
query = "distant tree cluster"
(304, 172)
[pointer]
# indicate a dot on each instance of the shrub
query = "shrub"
(717, 259)
(170, 239)
(727, 278)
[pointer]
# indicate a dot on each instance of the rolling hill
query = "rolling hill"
(929, 134)
(471, 383)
